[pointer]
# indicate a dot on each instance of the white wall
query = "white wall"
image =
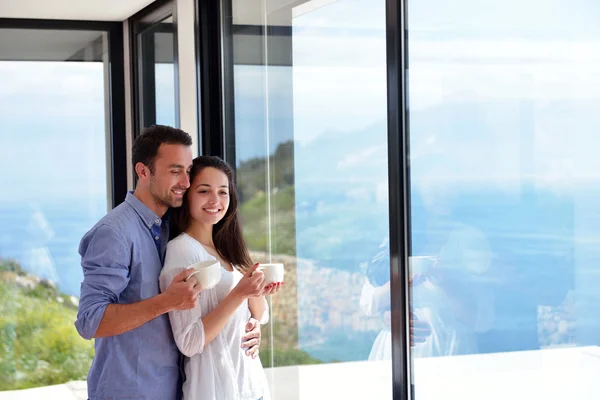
(186, 57)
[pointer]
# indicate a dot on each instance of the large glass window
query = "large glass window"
(309, 84)
(504, 198)
(54, 179)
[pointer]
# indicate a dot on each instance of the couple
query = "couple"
(144, 315)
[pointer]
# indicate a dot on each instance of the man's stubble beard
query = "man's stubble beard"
(164, 201)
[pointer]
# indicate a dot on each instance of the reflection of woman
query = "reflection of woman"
(375, 300)
(210, 335)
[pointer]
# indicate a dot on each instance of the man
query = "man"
(122, 255)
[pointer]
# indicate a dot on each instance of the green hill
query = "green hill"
(39, 345)
(259, 210)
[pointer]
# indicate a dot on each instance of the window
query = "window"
(156, 44)
(310, 134)
(504, 197)
(56, 182)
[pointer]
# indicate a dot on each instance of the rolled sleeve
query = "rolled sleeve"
(105, 259)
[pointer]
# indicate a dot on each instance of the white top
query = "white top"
(221, 370)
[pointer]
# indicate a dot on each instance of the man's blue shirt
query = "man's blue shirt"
(122, 256)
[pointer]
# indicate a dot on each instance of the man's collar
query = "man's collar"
(146, 214)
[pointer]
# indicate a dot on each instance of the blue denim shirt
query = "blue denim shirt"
(122, 256)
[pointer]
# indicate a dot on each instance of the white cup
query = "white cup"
(207, 273)
(273, 272)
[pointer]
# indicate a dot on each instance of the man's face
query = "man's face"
(171, 179)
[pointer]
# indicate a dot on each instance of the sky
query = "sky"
(509, 102)
(54, 128)
(536, 74)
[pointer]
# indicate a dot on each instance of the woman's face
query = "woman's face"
(208, 196)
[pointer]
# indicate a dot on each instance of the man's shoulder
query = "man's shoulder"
(121, 220)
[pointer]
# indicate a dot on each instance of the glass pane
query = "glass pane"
(311, 151)
(505, 199)
(157, 78)
(54, 180)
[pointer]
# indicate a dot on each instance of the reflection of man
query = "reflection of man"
(122, 256)
(376, 300)
(455, 298)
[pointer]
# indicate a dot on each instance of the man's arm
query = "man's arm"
(121, 318)
(105, 258)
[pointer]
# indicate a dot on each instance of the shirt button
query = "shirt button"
(156, 237)
(157, 221)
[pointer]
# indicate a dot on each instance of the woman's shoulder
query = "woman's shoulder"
(183, 251)
(180, 240)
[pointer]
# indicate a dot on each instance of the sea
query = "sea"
(544, 251)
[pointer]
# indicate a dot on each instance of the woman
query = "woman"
(210, 335)
(375, 301)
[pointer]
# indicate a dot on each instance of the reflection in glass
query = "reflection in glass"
(310, 136)
(504, 198)
(54, 186)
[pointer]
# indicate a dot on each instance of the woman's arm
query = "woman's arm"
(258, 306)
(192, 330)
(259, 309)
(248, 286)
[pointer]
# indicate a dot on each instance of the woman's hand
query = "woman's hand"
(252, 284)
(271, 288)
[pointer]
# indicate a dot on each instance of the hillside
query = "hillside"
(39, 345)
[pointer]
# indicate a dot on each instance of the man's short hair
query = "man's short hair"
(145, 147)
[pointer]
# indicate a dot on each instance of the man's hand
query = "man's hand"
(182, 295)
(251, 340)
(419, 330)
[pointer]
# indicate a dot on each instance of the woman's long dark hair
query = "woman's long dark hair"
(227, 233)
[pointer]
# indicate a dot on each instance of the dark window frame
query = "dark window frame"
(399, 194)
(218, 138)
(142, 87)
(214, 72)
(116, 85)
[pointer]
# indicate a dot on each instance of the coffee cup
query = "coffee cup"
(273, 272)
(207, 273)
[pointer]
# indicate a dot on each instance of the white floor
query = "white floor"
(557, 374)
(58, 392)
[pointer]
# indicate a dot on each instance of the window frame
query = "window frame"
(115, 88)
(143, 79)
(218, 138)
